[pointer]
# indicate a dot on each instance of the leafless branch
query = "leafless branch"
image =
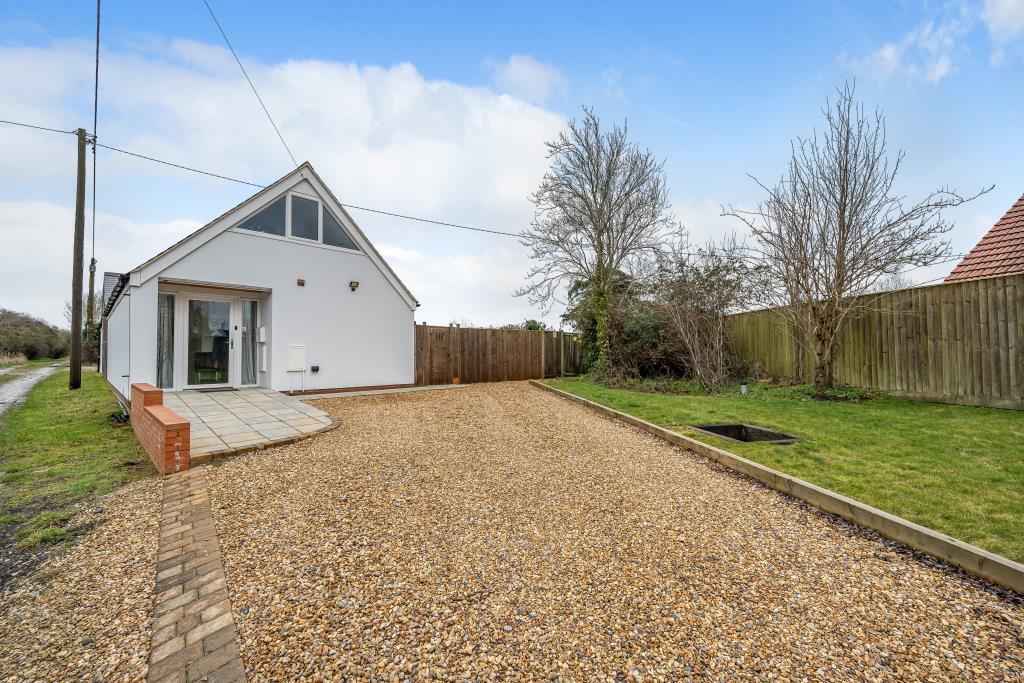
(833, 227)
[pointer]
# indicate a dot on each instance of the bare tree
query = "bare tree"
(95, 306)
(833, 226)
(601, 209)
(892, 283)
(697, 289)
(91, 310)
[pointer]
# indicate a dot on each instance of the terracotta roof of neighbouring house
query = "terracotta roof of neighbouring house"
(999, 252)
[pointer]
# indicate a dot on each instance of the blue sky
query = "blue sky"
(442, 111)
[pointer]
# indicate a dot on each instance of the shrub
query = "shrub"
(24, 335)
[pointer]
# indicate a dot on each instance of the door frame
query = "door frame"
(182, 297)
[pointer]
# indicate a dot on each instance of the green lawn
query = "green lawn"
(956, 469)
(56, 449)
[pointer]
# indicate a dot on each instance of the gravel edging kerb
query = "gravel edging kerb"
(989, 566)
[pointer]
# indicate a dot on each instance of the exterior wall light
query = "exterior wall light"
(353, 285)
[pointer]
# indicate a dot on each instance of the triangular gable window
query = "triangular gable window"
(334, 234)
(305, 211)
(270, 220)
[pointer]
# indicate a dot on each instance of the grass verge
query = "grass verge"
(956, 469)
(57, 449)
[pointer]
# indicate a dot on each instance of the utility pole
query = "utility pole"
(75, 380)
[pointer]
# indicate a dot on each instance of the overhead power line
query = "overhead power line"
(29, 125)
(181, 166)
(254, 91)
(427, 220)
(258, 185)
(954, 257)
(347, 206)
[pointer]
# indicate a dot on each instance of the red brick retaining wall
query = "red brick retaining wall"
(163, 433)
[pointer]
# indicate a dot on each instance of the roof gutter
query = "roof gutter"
(115, 293)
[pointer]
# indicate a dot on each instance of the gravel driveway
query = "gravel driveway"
(85, 614)
(501, 532)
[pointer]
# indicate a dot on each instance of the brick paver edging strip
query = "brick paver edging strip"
(989, 566)
(194, 636)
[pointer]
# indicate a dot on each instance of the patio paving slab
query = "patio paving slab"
(226, 421)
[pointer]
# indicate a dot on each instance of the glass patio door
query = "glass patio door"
(209, 342)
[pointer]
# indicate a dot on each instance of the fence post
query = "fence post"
(490, 354)
(417, 352)
(458, 353)
(426, 354)
(543, 344)
(561, 353)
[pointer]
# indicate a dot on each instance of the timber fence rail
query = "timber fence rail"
(449, 354)
(957, 342)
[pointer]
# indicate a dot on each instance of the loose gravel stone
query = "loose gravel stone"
(85, 614)
(499, 532)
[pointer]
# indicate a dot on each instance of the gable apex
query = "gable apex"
(302, 180)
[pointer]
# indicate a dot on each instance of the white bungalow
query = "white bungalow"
(284, 291)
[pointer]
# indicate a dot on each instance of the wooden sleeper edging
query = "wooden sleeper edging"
(972, 559)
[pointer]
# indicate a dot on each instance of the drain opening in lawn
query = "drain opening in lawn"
(747, 433)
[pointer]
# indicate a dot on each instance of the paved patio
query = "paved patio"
(228, 420)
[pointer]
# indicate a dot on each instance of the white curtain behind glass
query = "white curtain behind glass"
(165, 341)
(249, 322)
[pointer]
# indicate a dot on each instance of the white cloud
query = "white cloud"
(383, 137)
(525, 77)
(703, 220)
(35, 263)
(483, 281)
(930, 51)
(927, 52)
(1005, 22)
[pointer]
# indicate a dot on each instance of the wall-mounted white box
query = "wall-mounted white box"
(296, 358)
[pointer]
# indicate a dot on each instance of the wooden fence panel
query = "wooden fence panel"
(958, 342)
(446, 354)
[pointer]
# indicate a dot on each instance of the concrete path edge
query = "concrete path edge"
(974, 560)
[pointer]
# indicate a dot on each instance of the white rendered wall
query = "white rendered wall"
(115, 336)
(142, 300)
(361, 338)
